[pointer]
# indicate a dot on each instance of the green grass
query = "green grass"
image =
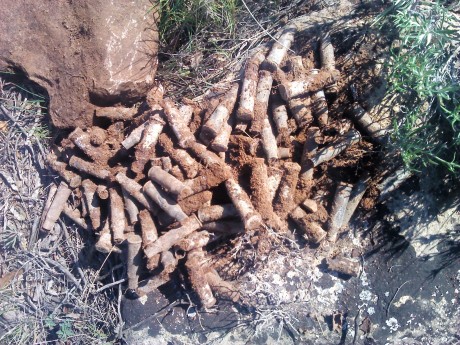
(42, 132)
(424, 74)
(179, 20)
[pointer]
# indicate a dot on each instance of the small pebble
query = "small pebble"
(310, 205)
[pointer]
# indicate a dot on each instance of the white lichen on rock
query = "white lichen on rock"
(393, 324)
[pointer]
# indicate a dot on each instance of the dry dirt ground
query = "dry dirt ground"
(406, 292)
(47, 282)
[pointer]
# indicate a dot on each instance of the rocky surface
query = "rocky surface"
(84, 53)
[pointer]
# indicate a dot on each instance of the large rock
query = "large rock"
(85, 53)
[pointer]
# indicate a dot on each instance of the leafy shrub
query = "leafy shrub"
(424, 74)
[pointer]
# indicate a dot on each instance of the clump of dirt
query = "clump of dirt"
(195, 202)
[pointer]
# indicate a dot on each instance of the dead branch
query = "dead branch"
(134, 260)
(194, 240)
(102, 192)
(329, 152)
(47, 205)
(280, 117)
(393, 182)
(326, 51)
(168, 205)
(250, 217)
(177, 123)
(169, 183)
(264, 87)
(269, 141)
(261, 193)
(57, 206)
(224, 227)
(104, 243)
(134, 137)
(371, 127)
(248, 88)
(169, 263)
(72, 179)
(312, 83)
(215, 123)
(130, 207)
(89, 168)
(117, 215)
(92, 203)
(217, 212)
(148, 228)
(135, 190)
(319, 105)
(116, 113)
(220, 142)
(196, 272)
(309, 150)
(327, 57)
(279, 49)
(75, 216)
(284, 201)
(181, 157)
(172, 237)
(146, 147)
(356, 195)
(338, 209)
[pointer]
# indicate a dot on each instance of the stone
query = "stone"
(310, 205)
(86, 54)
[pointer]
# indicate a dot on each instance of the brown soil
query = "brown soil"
(90, 55)
(209, 177)
(323, 79)
(193, 203)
